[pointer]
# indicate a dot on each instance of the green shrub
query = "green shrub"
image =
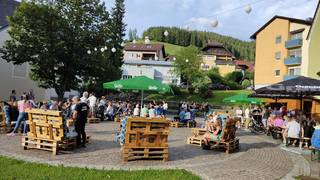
(205, 92)
(176, 90)
(191, 90)
(233, 85)
(245, 83)
(235, 76)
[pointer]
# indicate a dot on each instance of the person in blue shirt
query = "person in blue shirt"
(182, 115)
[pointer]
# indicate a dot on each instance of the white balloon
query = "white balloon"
(248, 9)
(105, 48)
(174, 58)
(215, 23)
(95, 49)
(102, 49)
(134, 41)
(113, 50)
(89, 52)
(122, 44)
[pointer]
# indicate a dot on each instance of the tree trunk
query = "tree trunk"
(60, 94)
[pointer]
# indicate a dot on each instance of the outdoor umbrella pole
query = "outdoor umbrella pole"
(141, 99)
(301, 105)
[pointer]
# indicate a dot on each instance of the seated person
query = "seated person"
(213, 133)
(278, 122)
(152, 112)
(187, 116)
(144, 111)
(270, 122)
(293, 129)
(182, 116)
(315, 139)
(307, 130)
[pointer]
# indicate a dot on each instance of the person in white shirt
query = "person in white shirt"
(110, 111)
(293, 128)
(84, 97)
(165, 108)
(152, 112)
(136, 111)
(239, 114)
(247, 117)
(187, 115)
(92, 100)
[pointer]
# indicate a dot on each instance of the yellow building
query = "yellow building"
(281, 50)
(215, 55)
(286, 48)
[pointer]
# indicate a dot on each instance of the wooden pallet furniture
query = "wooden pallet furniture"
(3, 125)
(177, 124)
(46, 131)
(93, 120)
(228, 140)
(146, 138)
(196, 137)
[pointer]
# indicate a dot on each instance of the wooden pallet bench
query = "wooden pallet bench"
(197, 136)
(46, 132)
(145, 153)
(228, 140)
(176, 124)
(93, 120)
(146, 138)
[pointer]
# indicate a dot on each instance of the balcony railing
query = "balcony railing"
(293, 43)
(290, 61)
(288, 77)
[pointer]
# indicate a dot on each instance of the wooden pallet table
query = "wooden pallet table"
(195, 140)
(177, 124)
(146, 138)
(93, 120)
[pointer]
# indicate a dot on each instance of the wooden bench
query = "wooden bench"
(197, 136)
(189, 124)
(46, 131)
(146, 138)
(93, 120)
(228, 140)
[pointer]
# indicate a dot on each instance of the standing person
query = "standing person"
(247, 117)
(84, 97)
(23, 105)
(30, 95)
(92, 103)
(239, 114)
(110, 111)
(165, 108)
(80, 116)
(7, 109)
(13, 96)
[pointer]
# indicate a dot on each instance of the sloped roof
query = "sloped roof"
(216, 48)
(143, 47)
(7, 8)
(294, 20)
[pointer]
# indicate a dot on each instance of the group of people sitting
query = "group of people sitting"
(293, 125)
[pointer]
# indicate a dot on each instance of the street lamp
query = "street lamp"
(166, 33)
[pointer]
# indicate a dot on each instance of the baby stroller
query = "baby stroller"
(100, 112)
(276, 132)
(256, 125)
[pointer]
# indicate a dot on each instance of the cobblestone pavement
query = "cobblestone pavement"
(259, 156)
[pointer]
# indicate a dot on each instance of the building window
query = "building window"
(278, 39)
(294, 71)
(277, 72)
(278, 55)
(296, 36)
(295, 52)
(20, 71)
(126, 76)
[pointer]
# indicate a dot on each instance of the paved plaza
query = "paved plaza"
(259, 157)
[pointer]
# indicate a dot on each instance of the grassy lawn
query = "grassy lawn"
(217, 99)
(15, 169)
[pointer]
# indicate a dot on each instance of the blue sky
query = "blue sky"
(198, 14)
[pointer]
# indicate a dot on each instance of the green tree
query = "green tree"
(55, 39)
(133, 34)
(187, 64)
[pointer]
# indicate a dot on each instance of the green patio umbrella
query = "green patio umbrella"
(139, 83)
(242, 98)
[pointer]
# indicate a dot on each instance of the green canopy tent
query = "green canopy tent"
(242, 99)
(139, 83)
